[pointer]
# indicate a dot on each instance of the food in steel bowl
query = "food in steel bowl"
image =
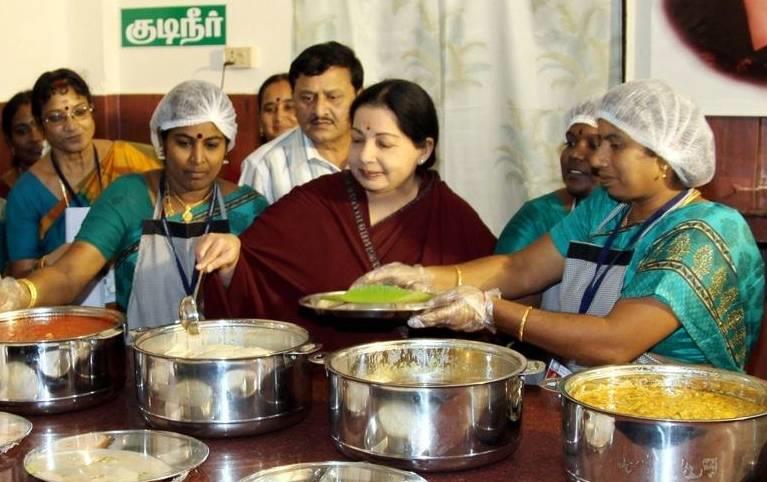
(649, 396)
(60, 358)
(58, 327)
(702, 439)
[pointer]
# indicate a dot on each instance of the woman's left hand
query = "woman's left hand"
(218, 251)
(464, 308)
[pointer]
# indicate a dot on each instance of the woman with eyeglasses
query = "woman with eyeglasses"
(72, 175)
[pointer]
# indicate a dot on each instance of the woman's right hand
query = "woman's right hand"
(13, 295)
(218, 251)
(414, 277)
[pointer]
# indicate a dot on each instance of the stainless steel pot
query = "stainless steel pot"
(602, 446)
(426, 404)
(224, 397)
(62, 375)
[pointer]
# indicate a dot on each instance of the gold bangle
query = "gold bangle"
(458, 276)
(32, 291)
(521, 333)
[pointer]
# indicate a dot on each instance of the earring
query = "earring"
(665, 173)
(421, 162)
(226, 161)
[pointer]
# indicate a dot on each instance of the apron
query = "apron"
(593, 276)
(165, 265)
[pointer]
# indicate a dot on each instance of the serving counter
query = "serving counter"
(539, 457)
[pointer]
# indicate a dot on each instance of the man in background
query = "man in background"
(325, 79)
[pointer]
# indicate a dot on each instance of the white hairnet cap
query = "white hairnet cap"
(190, 103)
(583, 113)
(671, 125)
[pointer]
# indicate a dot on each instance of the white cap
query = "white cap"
(190, 103)
(583, 113)
(671, 125)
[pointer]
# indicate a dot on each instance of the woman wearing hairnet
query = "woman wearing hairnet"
(148, 224)
(650, 271)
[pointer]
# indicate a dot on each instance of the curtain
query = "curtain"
(501, 72)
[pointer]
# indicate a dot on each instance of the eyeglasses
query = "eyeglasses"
(58, 117)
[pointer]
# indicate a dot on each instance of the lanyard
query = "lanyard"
(188, 285)
(65, 183)
(596, 280)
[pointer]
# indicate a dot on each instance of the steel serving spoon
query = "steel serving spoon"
(187, 310)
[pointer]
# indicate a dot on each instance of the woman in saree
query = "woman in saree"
(650, 271)
(149, 224)
(388, 206)
(537, 216)
(73, 174)
(23, 136)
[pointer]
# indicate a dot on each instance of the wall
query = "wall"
(84, 35)
(39, 35)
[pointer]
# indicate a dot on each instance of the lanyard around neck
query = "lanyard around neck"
(188, 284)
(604, 252)
(63, 179)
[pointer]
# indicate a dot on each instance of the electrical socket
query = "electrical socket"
(237, 57)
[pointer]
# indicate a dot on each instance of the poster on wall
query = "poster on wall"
(174, 26)
(714, 51)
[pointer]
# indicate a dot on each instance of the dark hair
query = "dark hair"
(315, 60)
(58, 80)
(412, 107)
(13, 106)
(272, 79)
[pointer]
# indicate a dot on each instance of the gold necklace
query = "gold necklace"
(186, 215)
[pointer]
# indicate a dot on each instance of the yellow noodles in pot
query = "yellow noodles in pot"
(639, 397)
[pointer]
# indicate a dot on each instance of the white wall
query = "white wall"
(39, 35)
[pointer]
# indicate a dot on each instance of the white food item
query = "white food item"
(191, 348)
(97, 465)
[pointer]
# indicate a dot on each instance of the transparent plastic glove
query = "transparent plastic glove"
(464, 308)
(11, 294)
(416, 277)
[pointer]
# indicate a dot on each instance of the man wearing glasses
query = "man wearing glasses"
(70, 176)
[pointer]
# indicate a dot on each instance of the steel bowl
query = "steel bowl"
(217, 397)
(603, 445)
(66, 374)
(426, 404)
(333, 472)
(59, 457)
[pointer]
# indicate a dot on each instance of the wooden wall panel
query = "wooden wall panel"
(741, 172)
(127, 117)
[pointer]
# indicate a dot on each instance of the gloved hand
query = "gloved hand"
(12, 294)
(463, 308)
(416, 277)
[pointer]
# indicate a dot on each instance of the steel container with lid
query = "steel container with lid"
(58, 374)
(426, 404)
(214, 396)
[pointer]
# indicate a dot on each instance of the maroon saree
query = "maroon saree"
(309, 242)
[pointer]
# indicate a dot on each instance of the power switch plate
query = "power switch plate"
(238, 57)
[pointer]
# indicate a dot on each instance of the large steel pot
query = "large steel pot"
(426, 404)
(601, 445)
(64, 374)
(224, 397)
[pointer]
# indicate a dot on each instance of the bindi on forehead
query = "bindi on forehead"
(199, 136)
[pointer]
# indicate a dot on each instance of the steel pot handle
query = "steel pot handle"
(305, 349)
(553, 385)
(318, 358)
(133, 334)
